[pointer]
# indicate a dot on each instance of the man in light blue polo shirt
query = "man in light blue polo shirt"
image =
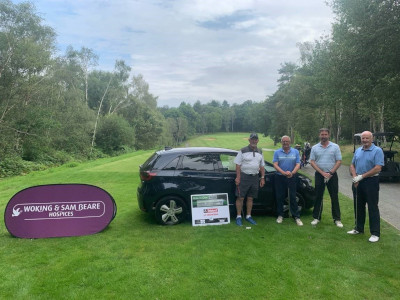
(326, 158)
(286, 162)
(365, 167)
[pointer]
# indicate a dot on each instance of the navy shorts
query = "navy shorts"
(248, 186)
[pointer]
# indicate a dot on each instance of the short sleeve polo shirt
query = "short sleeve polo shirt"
(365, 160)
(249, 160)
(325, 157)
(286, 161)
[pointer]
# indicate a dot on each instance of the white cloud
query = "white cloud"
(203, 10)
(190, 50)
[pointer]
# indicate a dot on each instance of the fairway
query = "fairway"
(135, 258)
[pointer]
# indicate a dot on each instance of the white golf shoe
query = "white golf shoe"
(338, 224)
(299, 222)
(314, 222)
(374, 238)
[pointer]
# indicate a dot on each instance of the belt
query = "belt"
(372, 175)
(250, 174)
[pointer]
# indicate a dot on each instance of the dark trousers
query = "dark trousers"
(333, 189)
(283, 185)
(367, 192)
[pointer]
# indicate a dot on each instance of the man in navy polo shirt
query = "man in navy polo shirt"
(287, 163)
(326, 158)
(365, 167)
(249, 162)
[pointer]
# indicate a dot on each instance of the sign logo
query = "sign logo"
(59, 210)
(16, 212)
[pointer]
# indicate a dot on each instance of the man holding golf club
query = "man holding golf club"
(287, 163)
(365, 167)
(326, 158)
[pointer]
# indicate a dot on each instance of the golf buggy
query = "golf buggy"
(304, 154)
(391, 169)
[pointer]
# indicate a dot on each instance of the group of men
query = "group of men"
(326, 159)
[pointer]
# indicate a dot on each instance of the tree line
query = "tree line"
(57, 108)
(54, 108)
(348, 81)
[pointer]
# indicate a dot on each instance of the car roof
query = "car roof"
(191, 150)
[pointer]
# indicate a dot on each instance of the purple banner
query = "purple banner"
(59, 210)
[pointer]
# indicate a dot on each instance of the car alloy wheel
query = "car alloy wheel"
(170, 211)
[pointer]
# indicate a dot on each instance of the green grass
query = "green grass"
(134, 258)
(227, 140)
(234, 141)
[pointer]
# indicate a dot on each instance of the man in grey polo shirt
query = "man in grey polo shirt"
(326, 158)
(249, 162)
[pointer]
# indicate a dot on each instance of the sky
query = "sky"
(189, 50)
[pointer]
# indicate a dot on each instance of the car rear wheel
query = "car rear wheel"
(170, 211)
(300, 203)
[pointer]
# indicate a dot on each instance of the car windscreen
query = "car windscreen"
(269, 168)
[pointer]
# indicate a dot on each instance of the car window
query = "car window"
(162, 161)
(227, 161)
(149, 162)
(198, 162)
(172, 165)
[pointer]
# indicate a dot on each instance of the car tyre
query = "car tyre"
(171, 210)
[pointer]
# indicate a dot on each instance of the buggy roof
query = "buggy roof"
(388, 134)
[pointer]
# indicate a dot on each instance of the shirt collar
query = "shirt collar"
(251, 149)
(329, 144)
(369, 149)
(290, 149)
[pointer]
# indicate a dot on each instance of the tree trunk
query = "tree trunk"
(98, 115)
(381, 121)
(339, 125)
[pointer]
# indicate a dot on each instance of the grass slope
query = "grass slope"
(134, 258)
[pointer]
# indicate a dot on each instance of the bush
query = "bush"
(114, 135)
(14, 165)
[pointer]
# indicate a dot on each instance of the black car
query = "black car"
(169, 178)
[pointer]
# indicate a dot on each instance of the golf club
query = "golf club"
(288, 194)
(356, 204)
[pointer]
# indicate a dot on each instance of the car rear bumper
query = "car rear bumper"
(140, 199)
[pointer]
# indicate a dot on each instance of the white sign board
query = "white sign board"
(210, 209)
